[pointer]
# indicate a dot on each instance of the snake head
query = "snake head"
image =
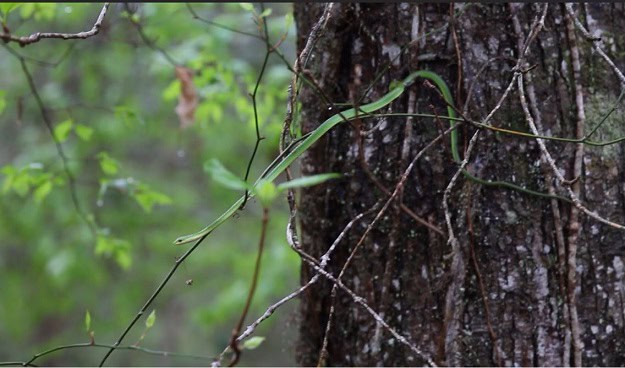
(181, 240)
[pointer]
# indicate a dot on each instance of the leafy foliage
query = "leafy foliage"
(253, 342)
(88, 321)
(139, 176)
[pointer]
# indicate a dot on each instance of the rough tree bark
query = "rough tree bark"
(525, 266)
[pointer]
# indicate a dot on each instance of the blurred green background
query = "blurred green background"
(112, 100)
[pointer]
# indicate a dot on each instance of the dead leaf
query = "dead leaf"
(188, 98)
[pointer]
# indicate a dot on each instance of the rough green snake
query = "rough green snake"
(282, 162)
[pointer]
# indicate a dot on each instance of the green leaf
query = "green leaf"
(109, 165)
(147, 197)
(128, 115)
(42, 191)
(253, 342)
(119, 249)
(149, 322)
(61, 131)
(88, 321)
(223, 176)
(266, 13)
(102, 245)
(38, 10)
(9, 172)
(247, 6)
(266, 192)
(216, 113)
(21, 183)
(3, 102)
(6, 8)
(308, 181)
(134, 17)
(288, 20)
(171, 92)
(84, 132)
(123, 258)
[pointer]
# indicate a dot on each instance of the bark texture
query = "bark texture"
(525, 268)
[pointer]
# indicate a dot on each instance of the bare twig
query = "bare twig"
(556, 171)
(314, 34)
(293, 91)
(44, 63)
(218, 25)
(324, 261)
(359, 300)
(465, 109)
(404, 157)
(533, 103)
(453, 302)
(151, 44)
(151, 299)
(259, 138)
(379, 215)
(235, 332)
(596, 43)
(376, 316)
(402, 205)
(95, 345)
(36, 37)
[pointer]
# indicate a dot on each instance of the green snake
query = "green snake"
(295, 150)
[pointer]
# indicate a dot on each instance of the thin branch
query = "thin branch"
(293, 91)
(59, 147)
(463, 119)
(218, 25)
(48, 64)
(250, 295)
(596, 43)
(156, 292)
(314, 34)
(95, 345)
(398, 187)
(324, 261)
(151, 44)
(554, 167)
(376, 316)
(402, 205)
(359, 300)
(458, 265)
(537, 242)
(453, 303)
(36, 37)
(253, 97)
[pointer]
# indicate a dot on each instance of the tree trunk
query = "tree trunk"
(532, 280)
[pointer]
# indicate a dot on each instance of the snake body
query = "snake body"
(282, 162)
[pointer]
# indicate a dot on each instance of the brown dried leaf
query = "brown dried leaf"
(188, 99)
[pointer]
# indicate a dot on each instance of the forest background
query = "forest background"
(141, 178)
